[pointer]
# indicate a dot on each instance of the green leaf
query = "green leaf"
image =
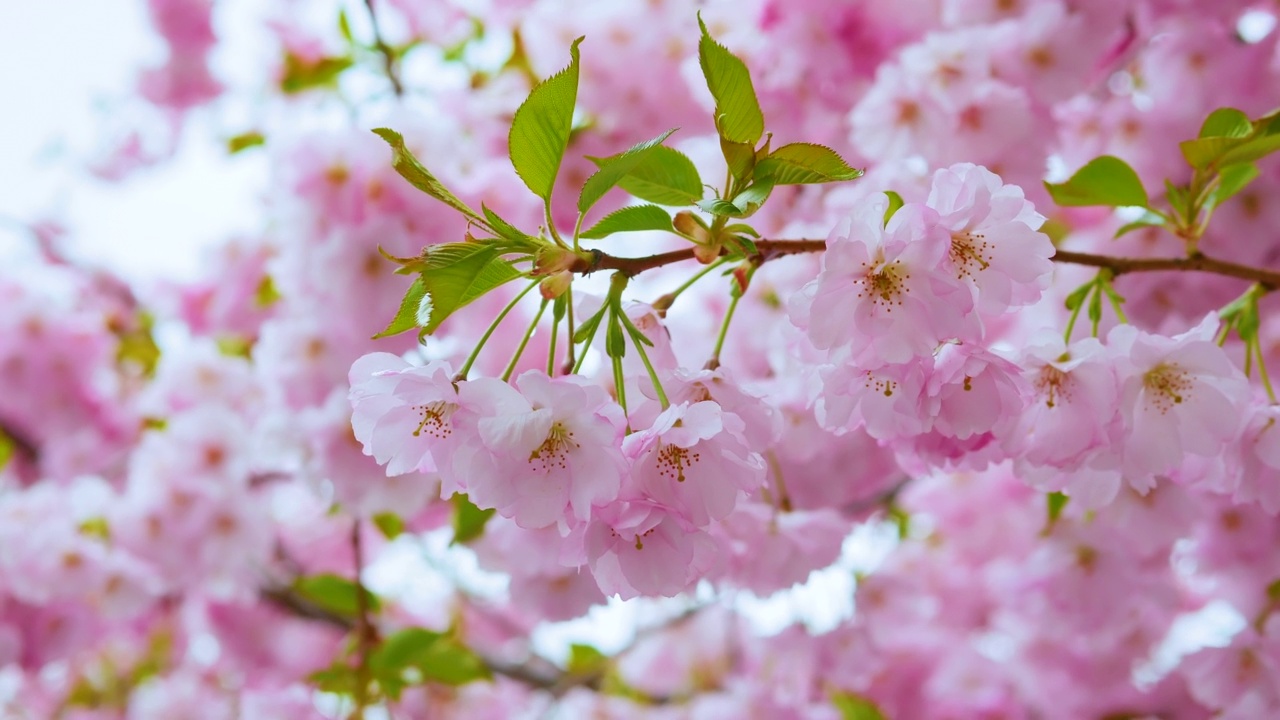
(1077, 296)
(334, 593)
(741, 159)
(1105, 181)
(338, 679)
(266, 294)
(744, 205)
(1146, 219)
(1231, 180)
(244, 141)
(614, 168)
(540, 128)
(1203, 152)
(895, 203)
(664, 176)
(615, 341)
(7, 449)
(302, 74)
(1226, 122)
(1054, 504)
(506, 230)
(738, 117)
(389, 524)
(468, 520)
(410, 315)
(586, 660)
(1254, 149)
(634, 218)
(456, 274)
(344, 27)
(855, 707)
(410, 169)
(436, 658)
(804, 163)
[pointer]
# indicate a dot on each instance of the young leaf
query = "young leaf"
(1226, 122)
(1254, 149)
(244, 141)
(506, 230)
(738, 117)
(540, 128)
(741, 159)
(1054, 504)
(7, 449)
(804, 163)
(743, 205)
(468, 520)
(389, 524)
(407, 317)
(1231, 180)
(630, 219)
(334, 593)
(1146, 219)
(664, 176)
(456, 274)
(435, 657)
(1106, 180)
(301, 74)
(895, 203)
(855, 707)
(614, 168)
(410, 169)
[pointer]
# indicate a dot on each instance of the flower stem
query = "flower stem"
(524, 341)
(471, 359)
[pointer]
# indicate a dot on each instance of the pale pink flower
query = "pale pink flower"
(884, 289)
(1179, 396)
(888, 400)
(974, 397)
(694, 459)
(547, 453)
(403, 414)
(995, 246)
(1074, 408)
(638, 548)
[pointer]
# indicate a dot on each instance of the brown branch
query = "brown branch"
(1269, 279)
(771, 249)
(388, 55)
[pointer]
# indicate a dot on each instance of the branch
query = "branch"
(388, 55)
(771, 249)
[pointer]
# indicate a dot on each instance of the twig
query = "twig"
(388, 55)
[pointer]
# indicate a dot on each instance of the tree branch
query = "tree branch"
(388, 55)
(771, 249)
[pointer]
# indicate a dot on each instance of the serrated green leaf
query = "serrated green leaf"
(301, 74)
(804, 163)
(244, 141)
(541, 126)
(855, 707)
(453, 276)
(468, 520)
(1226, 122)
(664, 176)
(389, 524)
(743, 205)
(334, 593)
(741, 159)
(1203, 152)
(895, 203)
(718, 206)
(407, 317)
(417, 174)
(506, 230)
(738, 116)
(634, 218)
(742, 228)
(614, 168)
(1107, 181)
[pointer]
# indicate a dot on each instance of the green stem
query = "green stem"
(663, 303)
(1262, 372)
(551, 354)
(569, 361)
(591, 336)
(471, 359)
(714, 362)
(551, 225)
(577, 228)
(524, 341)
(653, 374)
(621, 389)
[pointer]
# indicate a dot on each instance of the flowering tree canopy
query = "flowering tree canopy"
(562, 304)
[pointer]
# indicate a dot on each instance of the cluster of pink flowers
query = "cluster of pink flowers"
(182, 465)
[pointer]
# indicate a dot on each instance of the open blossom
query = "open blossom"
(1179, 396)
(694, 459)
(995, 246)
(888, 400)
(547, 452)
(1074, 406)
(884, 289)
(403, 414)
(639, 548)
